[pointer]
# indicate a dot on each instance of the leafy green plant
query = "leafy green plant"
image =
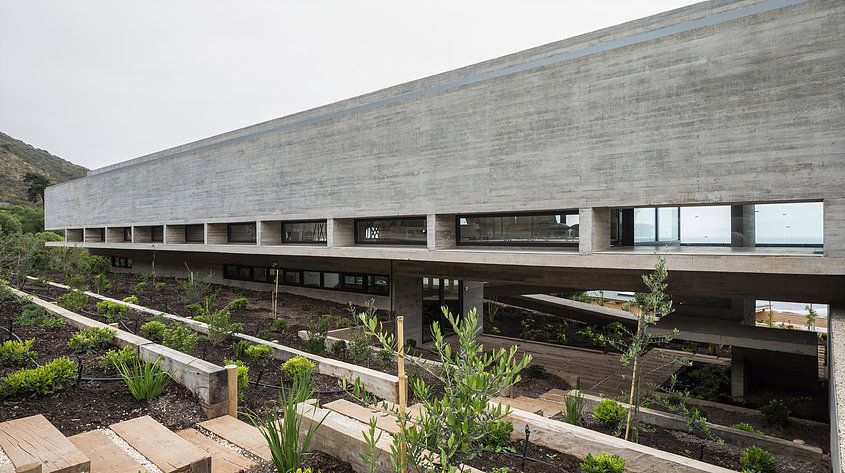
(144, 380)
(317, 333)
(153, 330)
(32, 315)
(260, 354)
(161, 287)
(535, 371)
(196, 309)
(279, 325)
(498, 434)
(219, 327)
(710, 382)
(181, 338)
(195, 289)
(42, 380)
(15, 353)
(342, 322)
(139, 288)
(73, 301)
(264, 334)
(359, 348)
(131, 299)
(811, 316)
(611, 414)
(747, 428)
(239, 349)
(338, 348)
(76, 282)
(102, 283)
(374, 454)
(91, 339)
(298, 366)
(756, 460)
(112, 311)
(574, 405)
(243, 377)
(603, 463)
(112, 358)
(385, 357)
(238, 304)
(775, 412)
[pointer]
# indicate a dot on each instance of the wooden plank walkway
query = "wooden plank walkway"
(223, 459)
(168, 451)
(35, 440)
(105, 455)
(239, 433)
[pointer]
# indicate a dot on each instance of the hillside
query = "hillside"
(17, 158)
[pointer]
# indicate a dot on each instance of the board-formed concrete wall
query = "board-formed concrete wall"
(719, 102)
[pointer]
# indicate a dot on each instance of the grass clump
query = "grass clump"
(15, 353)
(91, 339)
(39, 381)
(144, 380)
(574, 404)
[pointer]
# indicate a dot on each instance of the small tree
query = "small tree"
(811, 316)
(35, 185)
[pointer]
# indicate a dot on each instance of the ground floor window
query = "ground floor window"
(375, 284)
(121, 262)
(437, 293)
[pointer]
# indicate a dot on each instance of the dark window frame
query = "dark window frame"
(316, 242)
(365, 287)
(121, 262)
(359, 241)
(458, 218)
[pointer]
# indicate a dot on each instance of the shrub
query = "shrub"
(219, 327)
(144, 380)
(610, 413)
(73, 301)
(181, 338)
(195, 289)
(243, 377)
(264, 334)
(131, 299)
(775, 412)
(603, 463)
(535, 371)
(317, 333)
(710, 382)
(239, 348)
(42, 380)
(574, 405)
(91, 339)
(31, 315)
(339, 347)
(359, 348)
(497, 435)
(102, 283)
(298, 366)
(139, 288)
(260, 354)
(747, 428)
(76, 282)
(385, 356)
(153, 329)
(201, 318)
(160, 287)
(112, 311)
(112, 358)
(279, 325)
(238, 304)
(15, 353)
(756, 460)
(342, 322)
(196, 309)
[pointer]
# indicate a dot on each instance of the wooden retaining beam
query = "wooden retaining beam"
(206, 380)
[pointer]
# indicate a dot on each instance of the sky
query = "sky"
(100, 82)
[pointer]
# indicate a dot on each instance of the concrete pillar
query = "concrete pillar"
(474, 299)
(340, 232)
(836, 383)
(406, 300)
(594, 230)
(440, 231)
(743, 225)
(834, 227)
(739, 374)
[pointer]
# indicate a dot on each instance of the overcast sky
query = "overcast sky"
(99, 82)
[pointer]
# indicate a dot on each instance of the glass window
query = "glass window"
(261, 274)
(378, 285)
(644, 226)
(304, 232)
(400, 231)
(157, 234)
(194, 233)
(353, 283)
(706, 225)
(244, 273)
(121, 262)
(311, 278)
(241, 232)
(127, 233)
(796, 224)
(552, 229)
(331, 280)
(292, 277)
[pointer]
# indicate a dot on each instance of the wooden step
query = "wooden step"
(31, 468)
(384, 420)
(517, 404)
(239, 433)
(104, 454)
(168, 451)
(547, 408)
(223, 459)
(556, 395)
(35, 440)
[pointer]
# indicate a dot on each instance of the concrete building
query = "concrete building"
(540, 170)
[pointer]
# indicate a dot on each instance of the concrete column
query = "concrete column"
(743, 224)
(440, 231)
(406, 299)
(474, 299)
(340, 232)
(594, 230)
(834, 227)
(836, 383)
(739, 374)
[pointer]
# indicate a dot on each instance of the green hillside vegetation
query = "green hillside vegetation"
(17, 158)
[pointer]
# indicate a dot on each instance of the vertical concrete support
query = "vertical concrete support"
(834, 227)
(270, 231)
(216, 234)
(440, 231)
(743, 226)
(739, 374)
(406, 299)
(594, 230)
(340, 232)
(474, 299)
(836, 365)
(174, 234)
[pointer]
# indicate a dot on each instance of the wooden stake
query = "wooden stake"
(403, 388)
(232, 375)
